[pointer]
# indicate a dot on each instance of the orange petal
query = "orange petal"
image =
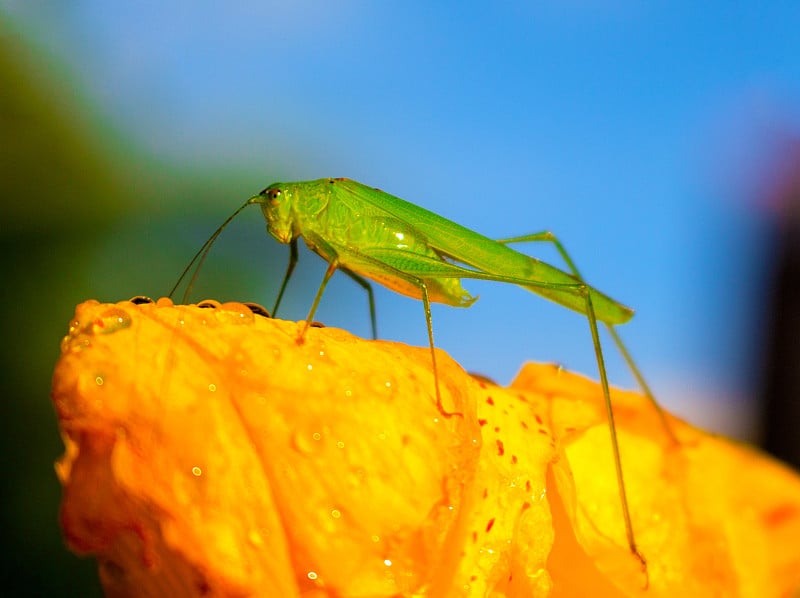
(207, 453)
(712, 517)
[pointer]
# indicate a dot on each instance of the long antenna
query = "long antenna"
(203, 252)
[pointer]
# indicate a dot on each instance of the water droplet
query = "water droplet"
(316, 436)
(99, 380)
(312, 575)
(340, 444)
(348, 384)
(255, 538)
(387, 562)
(212, 387)
(196, 471)
(385, 385)
(375, 538)
(258, 310)
(76, 336)
(235, 313)
(111, 320)
(75, 343)
(302, 443)
(336, 513)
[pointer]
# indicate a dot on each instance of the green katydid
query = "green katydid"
(369, 234)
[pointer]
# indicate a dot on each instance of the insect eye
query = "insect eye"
(273, 194)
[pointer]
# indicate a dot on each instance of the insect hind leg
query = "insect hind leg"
(549, 237)
(626, 515)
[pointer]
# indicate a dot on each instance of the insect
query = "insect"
(371, 235)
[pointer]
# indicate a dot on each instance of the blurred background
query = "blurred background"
(657, 140)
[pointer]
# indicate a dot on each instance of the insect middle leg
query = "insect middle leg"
(549, 237)
(358, 279)
(365, 284)
(366, 263)
(580, 289)
(288, 275)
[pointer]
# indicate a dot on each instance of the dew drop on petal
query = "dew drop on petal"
(75, 343)
(384, 385)
(235, 313)
(255, 538)
(111, 320)
(302, 443)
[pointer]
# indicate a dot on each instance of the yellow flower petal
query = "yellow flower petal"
(207, 453)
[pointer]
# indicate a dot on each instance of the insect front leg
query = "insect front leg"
(333, 265)
(288, 275)
(349, 260)
(549, 237)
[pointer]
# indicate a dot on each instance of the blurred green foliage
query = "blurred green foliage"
(55, 181)
(85, 215)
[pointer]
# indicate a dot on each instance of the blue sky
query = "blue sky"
(635, 131)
